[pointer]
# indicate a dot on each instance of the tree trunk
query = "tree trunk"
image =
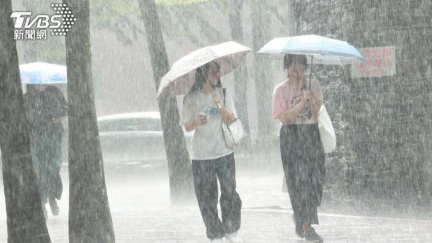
(263, 79)
(25, 220)
(89, 214)
(241, 74)
(180, 173)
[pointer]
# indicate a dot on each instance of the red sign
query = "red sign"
(379, 61)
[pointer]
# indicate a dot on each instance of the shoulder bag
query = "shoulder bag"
(234, 133)
(327, 133)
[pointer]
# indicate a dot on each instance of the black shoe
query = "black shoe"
(312, 236)
(55, 210)
(299, 230)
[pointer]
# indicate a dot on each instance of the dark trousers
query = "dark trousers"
(304, 167)
(47, 158)
(206, 173)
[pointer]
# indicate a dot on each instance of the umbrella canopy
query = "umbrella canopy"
(181, 77)
(42, 73)
(318, 49)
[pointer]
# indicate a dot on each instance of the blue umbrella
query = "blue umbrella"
(42, 73)
(318, 49)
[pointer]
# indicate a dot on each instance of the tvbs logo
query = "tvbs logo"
(28, 27)
(43, 21)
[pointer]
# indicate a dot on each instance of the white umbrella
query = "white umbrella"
(181, 77)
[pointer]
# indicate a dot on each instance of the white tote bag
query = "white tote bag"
(234, 133)
(327, 133)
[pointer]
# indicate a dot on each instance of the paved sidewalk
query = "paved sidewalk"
(258, 225)
(141, 212)
(267, 225)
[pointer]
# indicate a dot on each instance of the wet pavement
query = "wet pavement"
(141, 212)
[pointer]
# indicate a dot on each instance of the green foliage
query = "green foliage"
(194, 28)
(124, 18)
(117, 16)
(181, 20)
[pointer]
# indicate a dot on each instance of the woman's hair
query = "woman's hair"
(289, 58)
(201, 77)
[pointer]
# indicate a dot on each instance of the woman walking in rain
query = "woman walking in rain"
(204, 108)
(296, 105)
(45, 106)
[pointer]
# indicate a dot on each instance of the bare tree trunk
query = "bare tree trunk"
(89, 214)
(262, 77)
(241, 74)
(180, 173)
(25, 220)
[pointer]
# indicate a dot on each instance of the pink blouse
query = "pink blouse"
(286, 96)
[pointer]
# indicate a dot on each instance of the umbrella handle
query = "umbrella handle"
(310, 75)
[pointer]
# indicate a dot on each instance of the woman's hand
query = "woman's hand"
(289, 117)
(199, 120)
(312, 101)
(227, 115)
(308, 96)
(300, 106)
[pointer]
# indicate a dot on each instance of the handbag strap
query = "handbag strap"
(224, 97)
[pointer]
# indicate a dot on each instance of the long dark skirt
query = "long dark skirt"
(304, 166)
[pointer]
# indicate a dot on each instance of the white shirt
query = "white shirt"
(208, 141)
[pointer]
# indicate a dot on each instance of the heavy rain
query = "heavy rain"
(115, 121)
